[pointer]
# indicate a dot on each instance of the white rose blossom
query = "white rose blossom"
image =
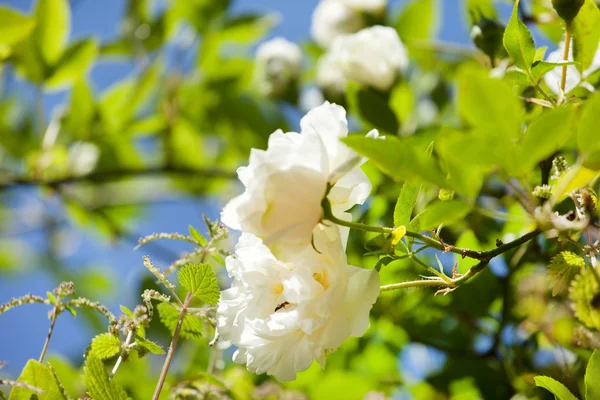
(370, 6)
(574, 77)
(330, 75)
(284, 313)
(285, 184)
(333, 18)
(374, 56)
(278, 65)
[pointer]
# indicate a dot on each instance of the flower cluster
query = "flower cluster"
(293, 297)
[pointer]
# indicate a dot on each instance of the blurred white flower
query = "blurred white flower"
(370, 6)
(374, 56)
(330, 75)
(82, 158)
(286, 183)
(333, 18)
(284, 312)
(574, 77)
(278, 65)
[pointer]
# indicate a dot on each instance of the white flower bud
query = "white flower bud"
(83, 157)
(330, 75)
(278, 65)
(374, 56)
(333, 18)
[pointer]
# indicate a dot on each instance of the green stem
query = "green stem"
(563, 80)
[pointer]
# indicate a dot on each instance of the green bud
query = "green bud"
(445, 194)
(567, 9)
(487, 34)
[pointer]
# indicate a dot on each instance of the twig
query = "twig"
(171, 352)
(123, 351)
(563, 80)
(53, 321)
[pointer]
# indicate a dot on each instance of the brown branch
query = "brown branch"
(9, 182)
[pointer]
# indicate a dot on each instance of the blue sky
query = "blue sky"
(23, 330)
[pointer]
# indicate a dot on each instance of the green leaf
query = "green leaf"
(556, 388)
(200, 280)
(587, 135)
(52, 30)
(545, 136)
(592, 377)
(405, 204)
(540, 68)
(586, 31)
(126, 311)
(148, 345)
(478, 8)
(401, 159)
(96, 381)
(518, 41)
(489, 105)
(443, 212)
(562, 269)
(39, 376)
(51, 297)
(169, 316)
(105, 346)
(373, 108)
(419, 20)
(197, 236)
(74, 63)
(14, 26)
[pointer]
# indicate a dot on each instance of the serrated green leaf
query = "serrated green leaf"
(196, 235)
(105, 346)
(169, 316)
(200, 280)
(562, 269)
(74, 63)
(148, 345)
(14, 26)
(592, 377)
(405, 204)
(97, 384)
(53, 25)
(587, 134)
(553, 386)
(518, 41)
(545, 136)
(583, 293)
(39, 376)
(586, 31)
(398, 158)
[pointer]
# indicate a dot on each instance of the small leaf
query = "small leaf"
(73, 64)
(98, 386)
(149, 345)
(586, 30)
(169, 316)
(38, 376)
(443, 212)
(562, 269)
(540, 68)
(126, 311)
(592, 377)
(405, 204)
(51, 32)
(556, 388)
(583, 293)
(14, 26)
(200, 280)
(196, 235)
(105, 346)
(518, 41)
(51, 297)
(419, 20)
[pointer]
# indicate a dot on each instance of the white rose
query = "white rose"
(282, 314)
(374, 56)
(330, 75)
(370, 6)
(286, 183)
(332, 18)
(574, 77)
(278, 65)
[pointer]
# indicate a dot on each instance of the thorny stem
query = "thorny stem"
(563, 81)
(53, 321)
(171, 352)
(120, 359)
